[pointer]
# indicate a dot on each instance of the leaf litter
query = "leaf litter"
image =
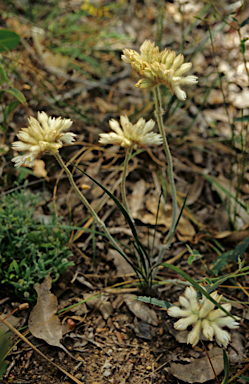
(132, 358)
(43, 321)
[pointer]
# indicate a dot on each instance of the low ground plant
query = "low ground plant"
(29, 249)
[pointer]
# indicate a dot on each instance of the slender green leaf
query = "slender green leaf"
(234, 256)
(212, 286)
(10, 108)
(155, 227)
(246, 21)
(151, 300)
(220, 263)
(18, 95)
(181, 212)
(226, 366)
(215, 183)
(3, 76)
(240, 249)
(8, 40)
(242, 119)
(242, 47)
(93, 244)
(140, 247)
(3, 366)
(245, 378)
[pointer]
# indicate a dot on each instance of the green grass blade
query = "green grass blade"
(153, 301)
(140, 246)
(226, 366)
(215, 183)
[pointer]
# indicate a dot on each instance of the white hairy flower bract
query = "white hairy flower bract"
(203, 316)
(157, 68)
(128, 135)
(45, 134)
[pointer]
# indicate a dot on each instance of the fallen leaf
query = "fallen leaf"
(215, 97)
(240, 100)
(143, 330)
(234, 237)
(51, 60)
(43, 321)
(195, 190)
(137, 198)
(11, 319)
(237, 353)
(101, 302)
(140, 310)
(82, 280)
(122, 266)
(185, 230)
(200, 370)
(224, 188)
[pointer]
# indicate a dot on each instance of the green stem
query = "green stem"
(99, 222)
(128, 152)
(158, 114)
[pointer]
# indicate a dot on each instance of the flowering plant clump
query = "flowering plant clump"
(156, 68)
(202, 315)
(131, 135)
(43, 135)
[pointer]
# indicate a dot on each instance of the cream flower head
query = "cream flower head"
(42, 135)
(128, 135)
(156, 68)
(203, 317)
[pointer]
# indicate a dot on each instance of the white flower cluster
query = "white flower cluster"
(156, 68)
(42, 135)
(128, 135)
(203, 317)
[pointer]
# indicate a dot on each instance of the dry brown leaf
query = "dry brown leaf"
(137, 198)
(141, 310)
(234, 237)
(195, 190)
(237, 353)
(11, 320)
(234, 206)
(122, 266)
(218, 114)
(215, 97)
(43, 321)
(200, 370)
(240, 100)
(101, 302)
(185, 230)
(52, 61)
(164, 214)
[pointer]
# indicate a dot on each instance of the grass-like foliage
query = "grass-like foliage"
(29, 250)
(4, 346)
